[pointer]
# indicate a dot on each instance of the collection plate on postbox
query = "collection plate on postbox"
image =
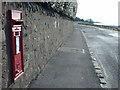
(16, 43)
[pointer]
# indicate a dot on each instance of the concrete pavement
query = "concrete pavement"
(70, 67)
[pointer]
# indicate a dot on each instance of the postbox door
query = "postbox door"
(17, 51)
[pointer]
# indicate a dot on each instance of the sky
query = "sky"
(104, 11)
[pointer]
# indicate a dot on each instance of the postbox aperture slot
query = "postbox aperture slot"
(17, 22)
(16, 33)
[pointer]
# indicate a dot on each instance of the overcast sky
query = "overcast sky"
(105, 11)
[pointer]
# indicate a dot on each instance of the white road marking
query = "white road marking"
(114, 34)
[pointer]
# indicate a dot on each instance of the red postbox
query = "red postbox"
(16, 43)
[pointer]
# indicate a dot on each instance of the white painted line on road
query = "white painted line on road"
(114, 34)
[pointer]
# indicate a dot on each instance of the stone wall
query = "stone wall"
(43, 32)
(0, 46)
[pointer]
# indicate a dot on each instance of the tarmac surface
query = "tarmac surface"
(103, 44)
(70, 67)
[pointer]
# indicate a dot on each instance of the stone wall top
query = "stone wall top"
(67, 8)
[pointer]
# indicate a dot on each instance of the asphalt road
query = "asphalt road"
(103, 44)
